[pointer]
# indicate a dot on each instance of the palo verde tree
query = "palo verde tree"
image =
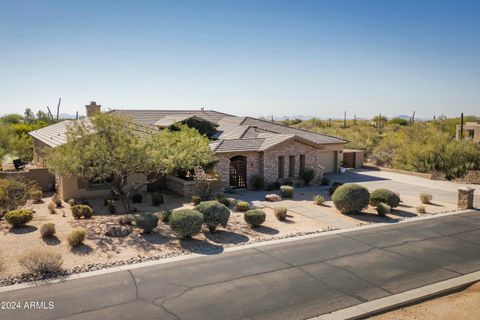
(115, 148)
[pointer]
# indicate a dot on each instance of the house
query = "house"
(471, 131)
(245, 147)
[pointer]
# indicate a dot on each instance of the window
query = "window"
(471, 134)
(301, 169)
(291, 166)
(281, 166)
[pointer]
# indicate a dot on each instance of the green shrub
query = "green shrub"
(41, 261)
(157, 199)
(126, 219)
(385, 196)
(351, 198)
(287, 191)
(426, 198)
(18, 218)
(258, 182)
(382, 208)
(76, 237)
(255, 218)
(13, 194)
(325, 181)
(111, 206)
(196, 200)
(47, 230)
(214, 214)
(82, 210)
(136, 198)
(318, 199)
(71, 202)
(52, 207)
(164, 215)
(242, 206)
(57, 200)
(223, 200)
(307, 175)
(280, 213)
(186, 222)
(421, 209)
(334, 187)
(36, 195)
(146, 221)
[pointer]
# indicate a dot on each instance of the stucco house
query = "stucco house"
(245, 148)
(471, 131)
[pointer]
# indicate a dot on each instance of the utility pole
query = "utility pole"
(461, 126)
(413, 117)
(354, 119)
(76, 116)
(344, 119)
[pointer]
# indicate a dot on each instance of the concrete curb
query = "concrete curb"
(364, 310)
(228, 249)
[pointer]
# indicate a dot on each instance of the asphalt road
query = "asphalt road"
(294, 280)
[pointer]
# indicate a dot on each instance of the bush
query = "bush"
(186, 222)
(157, 199)
(386, 196)
(426, 198)
(334, 187)
(214, 214)
(136, 198)
(111, 206)
(307, 175)
(41, 260)
(13, 194)
(57, 200)
(287, 191)
(126, 219)
(351, 198)
(223, 200)
(258, 182)
(255, 218)
(280, 213)
(71, 202)
(146, 221)
(52, 207)
(382, 208)
(318, 199)
(164, 215)
(47, 230)
(421, 209)
(242, 206)
(76, 237)
(196, 200)
(18, 218)
(81, 210)
(36, 195)
(325, 181)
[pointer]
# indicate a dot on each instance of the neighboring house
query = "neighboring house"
(471, 131)
(245, 148)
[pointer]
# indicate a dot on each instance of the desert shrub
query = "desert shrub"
(76, 237)
(112, 206)
(214, 214)
(81, 210)
(386, 196)
(351, 198)
(13, 194)
(146, 221)
(71, 202)
(318, 199)
(334, 187)
(47, 230)
(258, 182)
(287, 191)
(223, 200)
(52, 207)
(18, 218)
(136, 198)
(325, 181)
(41, 260)
(196, 200)
(57, 200)
(242, 206)
(426, 198)
(126, 219)
(421, 209)
(36, 195)
(382, 208)
(255, 218)
(280, 213)
(164, 215)
(157, 199)
(307, 175)
(186, 222)
(2, 262)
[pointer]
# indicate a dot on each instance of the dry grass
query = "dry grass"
(41, 260)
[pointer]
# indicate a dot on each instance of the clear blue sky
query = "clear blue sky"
(245, 57)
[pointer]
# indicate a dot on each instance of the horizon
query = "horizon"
(264, 58)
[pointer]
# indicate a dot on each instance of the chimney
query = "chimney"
(92, 108)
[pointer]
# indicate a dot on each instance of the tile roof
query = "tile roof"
(53, 135)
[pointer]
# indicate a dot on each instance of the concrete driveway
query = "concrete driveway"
(291, 280)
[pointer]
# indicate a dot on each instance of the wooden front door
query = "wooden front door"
(238, 172)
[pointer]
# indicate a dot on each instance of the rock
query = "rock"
(117, 231)
(273, 197)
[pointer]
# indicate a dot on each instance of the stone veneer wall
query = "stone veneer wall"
(223, 166)
(42, 176)
(195, 187)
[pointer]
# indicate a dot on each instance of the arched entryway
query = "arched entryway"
(238, 172)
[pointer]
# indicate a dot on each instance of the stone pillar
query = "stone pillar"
(465, 197)
(92, 109)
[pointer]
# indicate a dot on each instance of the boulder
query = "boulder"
(114, 230)
(273, 197)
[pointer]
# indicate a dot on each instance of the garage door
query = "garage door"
(328, 160)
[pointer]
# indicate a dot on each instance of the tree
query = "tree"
(115, 148)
